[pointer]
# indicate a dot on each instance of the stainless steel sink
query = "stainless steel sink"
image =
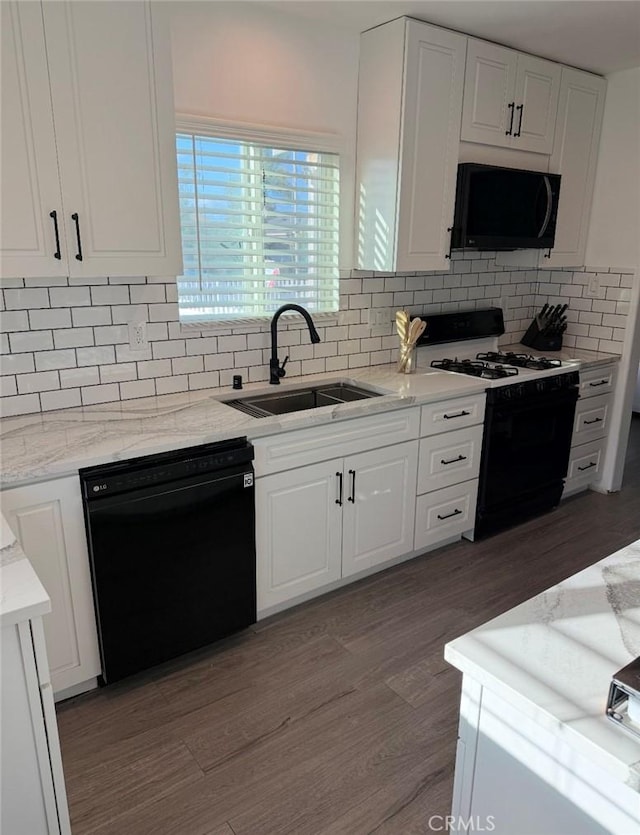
(283, 403)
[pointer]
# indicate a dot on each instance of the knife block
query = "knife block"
(534, 338)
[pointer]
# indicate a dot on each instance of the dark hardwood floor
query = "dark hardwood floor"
(335, 718)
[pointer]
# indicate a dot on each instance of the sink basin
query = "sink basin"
(283, 403)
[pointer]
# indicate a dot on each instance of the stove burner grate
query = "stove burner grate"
(474, 368)
(520, 360)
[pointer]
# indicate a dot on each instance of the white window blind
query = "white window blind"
(260, 228)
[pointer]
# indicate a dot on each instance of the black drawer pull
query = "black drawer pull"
(510, 107)
(54, 217)
(454, 460)
(76, 220)
(588, 467)
(352, 497)
(595, 420)
(339, 499)
(601, 383)
(456, 512)
(457, 414)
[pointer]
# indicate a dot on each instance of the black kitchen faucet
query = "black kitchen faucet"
(276, 371)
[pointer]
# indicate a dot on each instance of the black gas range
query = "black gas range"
(528, 417)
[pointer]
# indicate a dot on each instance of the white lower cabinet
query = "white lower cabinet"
(321, 522)
(48, 522)
(34, 800)
(445, 514)
(590, 428)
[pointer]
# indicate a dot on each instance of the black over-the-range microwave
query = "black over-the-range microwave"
(504, 208)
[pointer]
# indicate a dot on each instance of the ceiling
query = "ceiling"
(598, 35)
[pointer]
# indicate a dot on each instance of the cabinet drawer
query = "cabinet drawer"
(595, 381)
(452, 414)
(309, 446)
(445, 513)
(591, 419)
(585, 461)
(449, 458)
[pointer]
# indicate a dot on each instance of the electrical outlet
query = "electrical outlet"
(593, 287)
(379, 319)
(138, 336)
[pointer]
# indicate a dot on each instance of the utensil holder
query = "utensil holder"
(535, 338)
(407, 359)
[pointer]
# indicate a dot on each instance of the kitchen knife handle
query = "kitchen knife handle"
(352, 497)
(339, 499)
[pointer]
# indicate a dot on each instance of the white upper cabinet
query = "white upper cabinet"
(107, 83)
(510, 99)
(409, 110)
(574, 156)
(29, 185)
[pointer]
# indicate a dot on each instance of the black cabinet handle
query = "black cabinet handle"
(339, 499)
(352, 497)
(457, 414)
(601, 383)
(510, 106)
(450, 231)
(54, 216)
(520, 107)
(454, 460)
(76, 220)
(595, 420)
(456, 512)
(588, 467)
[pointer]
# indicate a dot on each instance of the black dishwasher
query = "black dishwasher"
(172, 552)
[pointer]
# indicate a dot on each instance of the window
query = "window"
(260, 228)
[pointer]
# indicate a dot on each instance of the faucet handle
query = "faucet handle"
(281, 371)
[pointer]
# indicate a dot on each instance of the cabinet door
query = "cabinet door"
(298, 532)
(48, 521)
(110, 70)
(30, 188)
(536, 97)
(489, 89)
(433, 86)
(575, 153)
(379, 506)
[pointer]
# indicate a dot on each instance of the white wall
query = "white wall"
(614, 232)
(242, 62)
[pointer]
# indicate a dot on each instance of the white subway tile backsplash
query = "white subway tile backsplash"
(20, 405)
(137, 388)
(73, 338)
(17, 364)
(101, 355)
(8, 386)
(64, 399)
(100, 394)
(59, 317)
(30, 341)
(46, 360)
(40, 381)
(109, 295)
(84, 311)
(28, 298)
(14, 320)
(87, 316)
(70, 296)
(78, 377)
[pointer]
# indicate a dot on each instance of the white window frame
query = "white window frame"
(267, 135)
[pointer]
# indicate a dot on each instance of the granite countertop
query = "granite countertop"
(22, 595)
(55, 444)
(554, 657)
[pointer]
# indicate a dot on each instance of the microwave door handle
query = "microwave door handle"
(547, 216)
